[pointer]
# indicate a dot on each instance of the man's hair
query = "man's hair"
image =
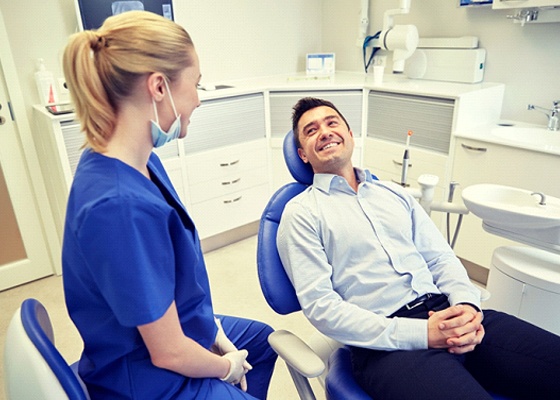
(308, 103)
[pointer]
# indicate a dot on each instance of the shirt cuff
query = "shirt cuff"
(412, 333)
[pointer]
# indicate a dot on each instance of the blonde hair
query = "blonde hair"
(102, 67)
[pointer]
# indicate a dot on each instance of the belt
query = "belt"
(419, 301)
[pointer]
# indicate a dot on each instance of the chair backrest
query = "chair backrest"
(275, 284)
(33, 367)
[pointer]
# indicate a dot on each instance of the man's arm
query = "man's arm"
(307, 266)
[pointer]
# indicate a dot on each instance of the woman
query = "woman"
(134, 276)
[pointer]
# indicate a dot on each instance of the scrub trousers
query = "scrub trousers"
(515, 359)
(253, 337)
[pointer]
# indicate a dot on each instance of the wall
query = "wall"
(234, 39)
(525, 59)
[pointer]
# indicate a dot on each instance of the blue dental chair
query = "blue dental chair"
(33, 367)
(303, 362)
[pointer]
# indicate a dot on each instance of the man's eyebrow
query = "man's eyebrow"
(327, 118)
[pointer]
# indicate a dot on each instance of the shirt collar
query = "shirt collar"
(325, 182)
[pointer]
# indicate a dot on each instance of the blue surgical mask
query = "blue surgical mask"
(159, 136)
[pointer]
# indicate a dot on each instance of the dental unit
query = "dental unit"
(402, 40)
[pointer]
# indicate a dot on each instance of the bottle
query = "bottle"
(45, 84)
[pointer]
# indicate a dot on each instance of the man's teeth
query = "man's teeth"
(328, 146)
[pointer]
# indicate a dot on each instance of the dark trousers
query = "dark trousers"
(515, 359)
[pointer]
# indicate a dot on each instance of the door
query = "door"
(23, 250)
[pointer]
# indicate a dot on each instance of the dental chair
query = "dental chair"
(33, 367)
(322, 358)
(303, 361)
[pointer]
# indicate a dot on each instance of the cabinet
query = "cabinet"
(477, 161)
(503, 4)
(220, 170)
(390, 116)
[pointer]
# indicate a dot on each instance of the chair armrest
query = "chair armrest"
(296, 353)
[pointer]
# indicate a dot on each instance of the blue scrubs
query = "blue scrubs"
(130, 249)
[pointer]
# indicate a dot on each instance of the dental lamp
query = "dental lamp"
(402, 40)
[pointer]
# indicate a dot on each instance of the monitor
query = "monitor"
(92, 13)
(471, 3)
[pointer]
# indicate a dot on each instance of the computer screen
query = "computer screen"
(92, 13)
(470, 3)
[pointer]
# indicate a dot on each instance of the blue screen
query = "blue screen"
(468, 3)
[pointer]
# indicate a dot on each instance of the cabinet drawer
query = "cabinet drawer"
(225, 163)
(380, 156)
(228, 212)
(228, 184)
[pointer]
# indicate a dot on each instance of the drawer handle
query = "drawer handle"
(399, 163)
(233, 200)
(231, 182)
(229, 164)
(481, 149)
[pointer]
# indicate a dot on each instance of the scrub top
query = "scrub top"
(129, 250)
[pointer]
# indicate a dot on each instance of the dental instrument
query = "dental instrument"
(406, 158)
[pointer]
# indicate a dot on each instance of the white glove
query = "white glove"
(237, 371)
(223, 346)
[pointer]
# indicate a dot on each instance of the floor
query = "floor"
(235, 290)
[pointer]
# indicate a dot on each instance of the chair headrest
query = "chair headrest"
(302, 172)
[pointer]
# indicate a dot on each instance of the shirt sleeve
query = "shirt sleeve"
(129, 252)
(450, 276)
(306, 264)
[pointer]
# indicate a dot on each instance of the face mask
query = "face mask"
(159, 136)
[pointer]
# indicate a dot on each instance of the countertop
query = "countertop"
(485, 134)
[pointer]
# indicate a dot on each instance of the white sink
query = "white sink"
(529, 135)
(516, 214)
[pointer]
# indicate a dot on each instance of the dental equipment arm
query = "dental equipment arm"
(402, 40)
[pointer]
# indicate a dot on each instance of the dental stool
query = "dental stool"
(302, 360)
(33, 367)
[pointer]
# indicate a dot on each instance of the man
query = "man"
(372, 271)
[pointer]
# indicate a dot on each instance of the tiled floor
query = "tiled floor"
(235, 291)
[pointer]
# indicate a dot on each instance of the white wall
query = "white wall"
(526, 59)
(244, 38)
(234, 39)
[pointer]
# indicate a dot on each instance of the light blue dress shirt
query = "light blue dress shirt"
(356, 258)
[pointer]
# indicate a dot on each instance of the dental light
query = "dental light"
(402, 40)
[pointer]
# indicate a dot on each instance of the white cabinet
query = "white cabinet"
(220, 170)
(228, 187)
(226, 158)
(390, 117)
(481, 162)
(502, 4)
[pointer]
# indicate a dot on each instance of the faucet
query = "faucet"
(553, 120)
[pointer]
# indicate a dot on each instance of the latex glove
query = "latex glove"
(236, 371)
(222, 346)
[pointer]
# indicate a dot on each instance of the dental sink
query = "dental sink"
(516, 214)
(529, 135)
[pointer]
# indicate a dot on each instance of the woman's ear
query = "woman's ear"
(156, 85)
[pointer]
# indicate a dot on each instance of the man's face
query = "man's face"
(326, 142)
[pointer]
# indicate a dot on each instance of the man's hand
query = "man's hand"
(458, 329)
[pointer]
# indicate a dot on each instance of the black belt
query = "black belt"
(419, 301)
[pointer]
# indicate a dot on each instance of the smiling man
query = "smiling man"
(372, 271)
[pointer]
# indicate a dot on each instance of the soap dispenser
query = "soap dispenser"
(45, 84)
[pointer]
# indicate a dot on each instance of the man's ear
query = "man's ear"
(302, 155)
(156, 85)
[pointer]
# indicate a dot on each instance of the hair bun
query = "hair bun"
(97, 42)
